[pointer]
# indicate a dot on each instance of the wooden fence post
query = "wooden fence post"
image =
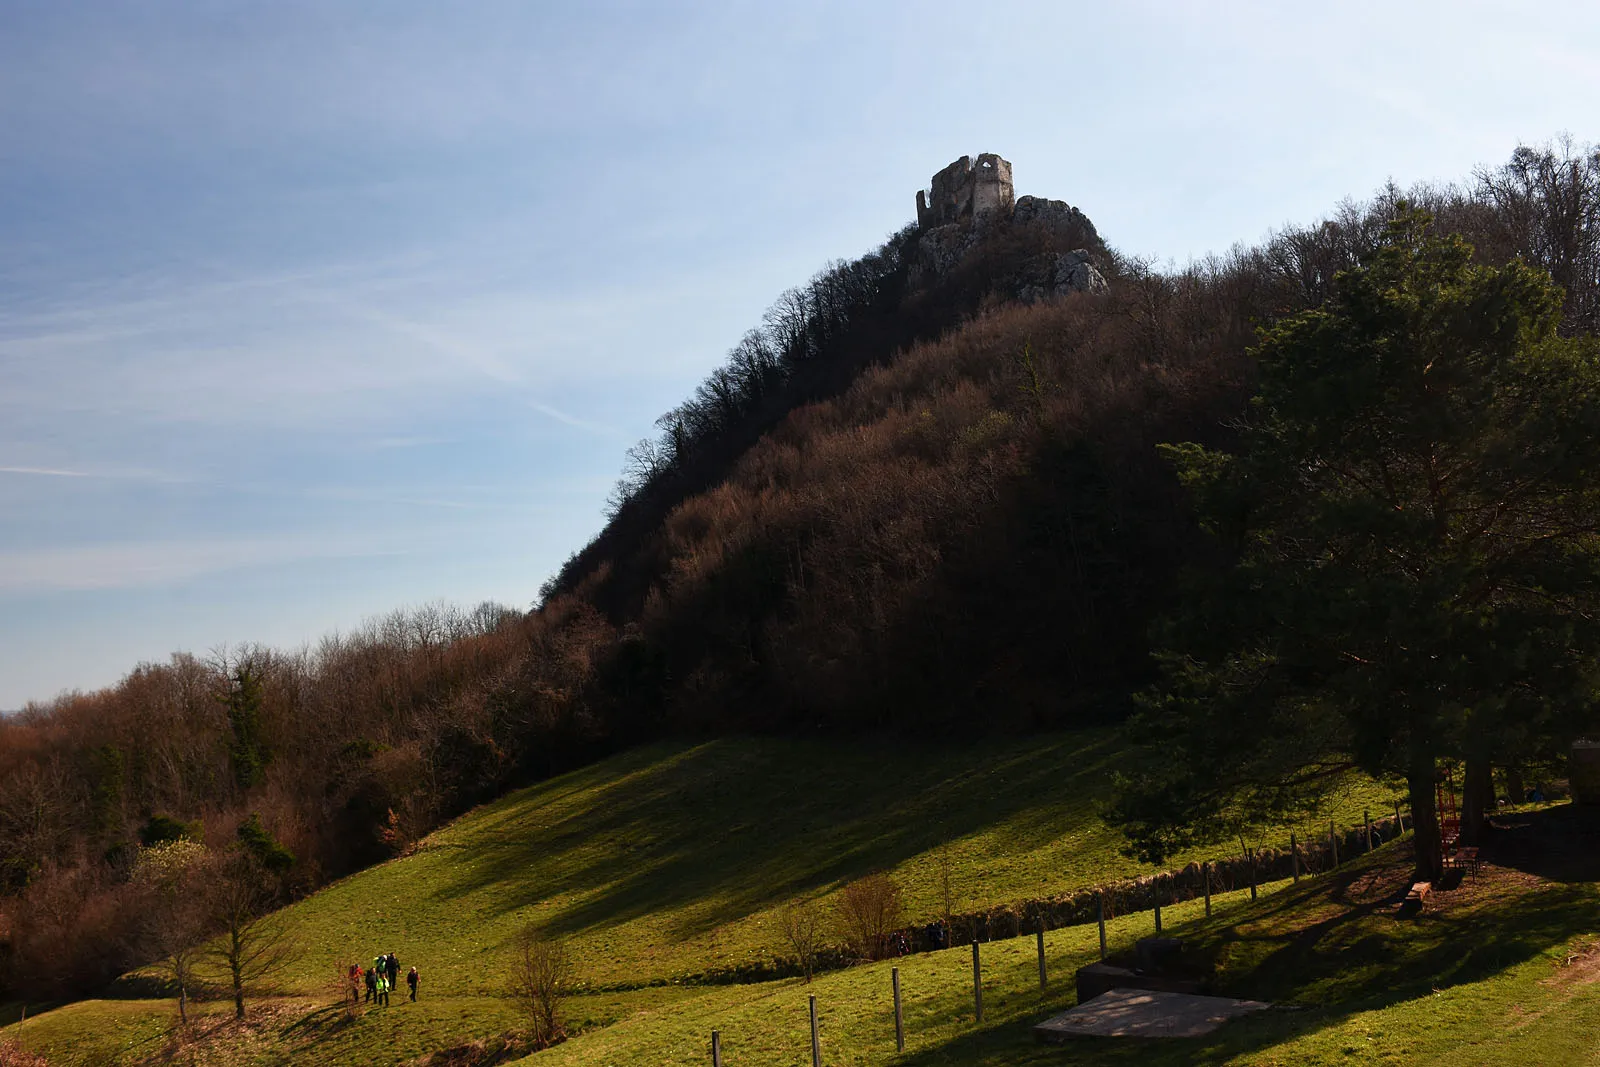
(977, 982)
(1294, 857)
(1205, 876)
(1333, 843)
(1100, 914)
(899, 1021)
(1252, 859)
(816, 1041)
(1367, 815)
(1399, 824)
(1043, 982)
(716, 1049)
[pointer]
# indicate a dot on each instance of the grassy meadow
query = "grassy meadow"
(672, 860)
(675, 859)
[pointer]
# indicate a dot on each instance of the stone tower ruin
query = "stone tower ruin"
(966, 191)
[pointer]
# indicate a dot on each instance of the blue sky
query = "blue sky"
(309, 311)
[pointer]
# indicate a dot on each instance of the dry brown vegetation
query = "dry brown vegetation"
(539, 977)
(869, 911)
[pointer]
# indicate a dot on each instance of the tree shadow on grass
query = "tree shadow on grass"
(1333, 946)
(321, 1023)
(789, 821)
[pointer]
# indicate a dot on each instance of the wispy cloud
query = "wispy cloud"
(45, 472)
(134, 564)
(141, 474)
(572, 420)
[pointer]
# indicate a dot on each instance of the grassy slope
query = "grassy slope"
(1478, 980)
(672, 859)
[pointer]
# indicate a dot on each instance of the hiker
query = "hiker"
(411, 980)
(394, 971)
(383, 989)
(372, 985)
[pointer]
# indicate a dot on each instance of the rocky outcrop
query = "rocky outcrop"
(1070, 272)
(939, 249)
(1058, 216)
(970, 202)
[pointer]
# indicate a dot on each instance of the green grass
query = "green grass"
(291, 1030)
(673, 859)
(1479, 980)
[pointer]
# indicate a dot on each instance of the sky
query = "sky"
(311, 311)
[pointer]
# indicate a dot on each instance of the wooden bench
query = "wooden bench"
(1412, 904)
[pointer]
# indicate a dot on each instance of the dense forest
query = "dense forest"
(909, 501)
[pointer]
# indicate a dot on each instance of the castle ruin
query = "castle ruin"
(971, 198)
(966, 191)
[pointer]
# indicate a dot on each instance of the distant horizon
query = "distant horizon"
(310, 313)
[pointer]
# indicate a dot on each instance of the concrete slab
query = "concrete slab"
(1144, 1013)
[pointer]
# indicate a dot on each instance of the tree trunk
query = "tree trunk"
(1477, 795)
(1514, 784)
(183, 1005)
(1425, 819)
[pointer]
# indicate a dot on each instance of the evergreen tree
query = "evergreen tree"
(1413, 516)
(267, 851)
(248, 753)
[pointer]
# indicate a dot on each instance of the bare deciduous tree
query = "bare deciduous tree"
(252, 944)
(802, 928)
(947, 898)
(539, 974)
(176, 876)
(869, 911)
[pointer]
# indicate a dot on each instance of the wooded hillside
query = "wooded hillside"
(907, 502)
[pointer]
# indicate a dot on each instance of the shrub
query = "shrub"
(869, 911)
(160, 829)
(802, 928)
(14, 1055)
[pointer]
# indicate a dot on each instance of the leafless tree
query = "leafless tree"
(539, 974)
(869, 911)
(176, 877)
(252, 944)
(945, 865)
(802, 928)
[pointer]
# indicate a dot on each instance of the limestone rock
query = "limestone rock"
(1076, 273)
(1056, 214)
(967, 190)
(940, 249)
